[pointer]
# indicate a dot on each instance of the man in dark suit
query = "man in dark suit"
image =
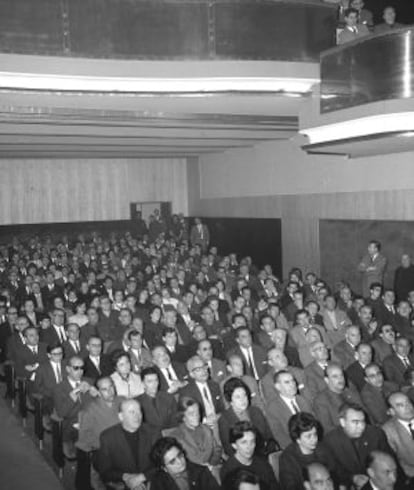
(96, 363)
(90, 328)
(56, 333)
(396, 365)
(404, 278)
(403, 326)
(30, 356)
(69, 398)
(383, 345)
(159, 408)
(328, 403)
(172, 375)
(283, 405)
(74, 345)
(382, 472)
(315, 371)
(123, 455)
(199, 234)
(254, 357)
(7, 330)
(16, 341)
(48, 376)
(399, 431)
(344, 351)
(355, 373)
(351, 443)
(216, 367)
(205, 391)
(385, 313)
(375, 393)
(50, 291)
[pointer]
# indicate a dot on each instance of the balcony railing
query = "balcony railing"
(168, 29)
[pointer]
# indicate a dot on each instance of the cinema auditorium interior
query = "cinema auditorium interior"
(206, 244)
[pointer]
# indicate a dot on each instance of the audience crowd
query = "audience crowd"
(173, 367)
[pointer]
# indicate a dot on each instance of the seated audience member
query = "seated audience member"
(237, 395)
(305, 448)
(350, 445)
(375, 393)
(254, 357)
(177, 351)
(172, 374)
(403, 326)
(79, 317)
(383, 345)
(335, 320)
(355, 373)
(317, 477)
(49, 374)
(315, 371)
(100, 414)
(382, 472)
(279, 341)
(229, 339)
(277, 361)
(273, 309)
(108, 326)
(241, 479)
(400, 431)
(7, 329)
(327, 404)
(16, 341)
(300, 339)
(73, 345)
(90, 328)
(96, 363)
(69, 398)
(385, 313)
(121, 344)
(264, 336)
(216, 367)
(404, 275)
(397, 364)
(409, 384)
(199, 333)
(366, 323)
(205, 391)
(123, 455)
(29, 356)
(196, 438)
(139, 355)
(173, 471)
(159, 408)
(242, 437)
(127, 383)
(235, 369)
(56, 333)
(283, 405)
(344, 351)
(313, 308)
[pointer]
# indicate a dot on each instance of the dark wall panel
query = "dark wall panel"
(343, 242)
(261, 239)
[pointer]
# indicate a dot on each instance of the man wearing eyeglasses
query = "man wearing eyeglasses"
(70, 396)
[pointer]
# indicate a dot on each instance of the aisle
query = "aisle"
(22, 466)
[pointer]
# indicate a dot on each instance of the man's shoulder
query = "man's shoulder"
(110, 432)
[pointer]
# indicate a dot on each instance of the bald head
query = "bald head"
(317, 477)
(130, 415)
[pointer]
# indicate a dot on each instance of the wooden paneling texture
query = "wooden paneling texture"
(301, 214)
(38, 191)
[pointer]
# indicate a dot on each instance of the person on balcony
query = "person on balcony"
(352, 29)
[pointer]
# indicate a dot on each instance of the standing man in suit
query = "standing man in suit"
(30, 356)
(400, 431)
(97, 364)
(283, 405)
(200, 235)
(396, 365)
(123, 456)
(254, 357)
(382, 472)
(15, 340)
(373, 264)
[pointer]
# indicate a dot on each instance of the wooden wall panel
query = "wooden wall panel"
(40, 191)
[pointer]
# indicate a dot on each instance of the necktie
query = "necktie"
(34, 350)
(169, 374)
(251, 364)
(206, 396)
(77, 348)
(295, 407)
(58, 374)
(406, 362)
(411, 427)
